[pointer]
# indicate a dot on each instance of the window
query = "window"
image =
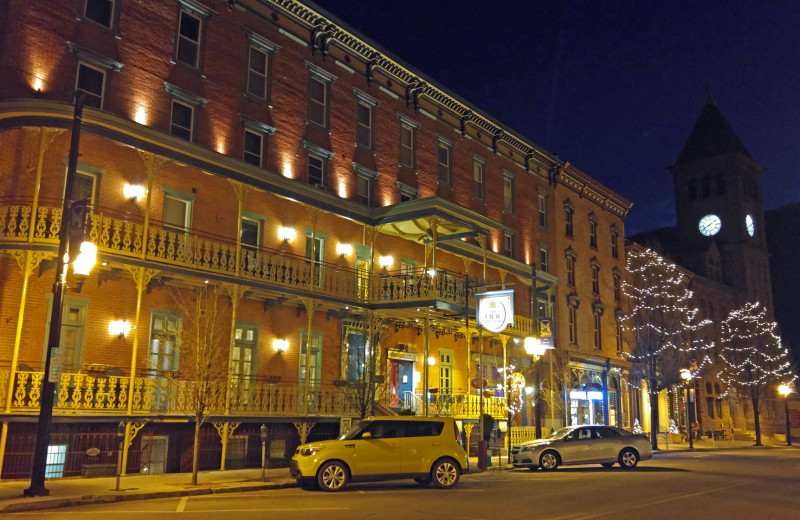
(255, 133)
(100, 11)
(617, 285)
(569, 215)
(318, 102)
(544, 260)
(592, 231)
(477, 179)
(316, 170)
(570, 267)
(619, 335)
(253, 147)
(56, 459)
(243, 359)
(182, 120)
(257, 63)
(508, 194)
(508, 244)
(598, 339)
(364, 125)
(189, 34)
(318, 253)
(407, 145)
(445, 371)
(177, 212)
(85, 187)
(407, 192)
(91, 81)
(251, 232)
(363, 189)
(542, 199)
(614, 242)
(595, 277)
(164, 348)
(73, 330)
(445, 164)
(573, 324)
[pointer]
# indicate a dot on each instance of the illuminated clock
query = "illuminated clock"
(750, 224)
(709, 225)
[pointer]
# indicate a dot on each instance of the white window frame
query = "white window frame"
(179, 38)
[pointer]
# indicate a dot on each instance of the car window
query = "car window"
(605, 433)
(422, 428)
(582, 434)
(380, 430)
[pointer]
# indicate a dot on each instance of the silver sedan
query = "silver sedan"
(605, 445)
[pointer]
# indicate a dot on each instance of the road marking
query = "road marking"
(665, 500)
(182, 504)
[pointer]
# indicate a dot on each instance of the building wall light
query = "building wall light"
(86, 259)
(386, 261)
(344, 249)
(286, 234)
(281, 345)
(134, 192)
(431, 361)
(119, 328)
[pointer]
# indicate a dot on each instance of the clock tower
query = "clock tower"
(719, 208)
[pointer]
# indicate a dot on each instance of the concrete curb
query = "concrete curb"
(112, 498)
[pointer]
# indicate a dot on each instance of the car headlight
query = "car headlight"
(307, 452)
(526, 448)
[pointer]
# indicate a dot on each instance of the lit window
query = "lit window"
(56, 459)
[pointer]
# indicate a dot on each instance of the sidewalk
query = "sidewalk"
(706, 444)
(75, 491)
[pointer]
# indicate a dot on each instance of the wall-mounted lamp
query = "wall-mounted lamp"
(286, 234)
(134, 192)
(119, 328)
(431, 361)
(431, 272)
(281, 345)
(386, 261)
(344, 250)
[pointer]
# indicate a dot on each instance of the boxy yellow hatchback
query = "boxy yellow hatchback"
(427, 449)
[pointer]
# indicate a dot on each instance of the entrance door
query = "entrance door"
(314, 366)
(243, 359)
(154, 455)
(405, 382)
(162, 355)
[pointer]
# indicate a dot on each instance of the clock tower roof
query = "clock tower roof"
(710, 136)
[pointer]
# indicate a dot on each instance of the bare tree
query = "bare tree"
(753, 357)
(204, 345)
(362, 386)
(661, 326)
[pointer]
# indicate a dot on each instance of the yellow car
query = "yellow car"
(427, 449)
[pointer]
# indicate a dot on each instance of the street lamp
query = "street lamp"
(72, 222)
(785, 390)
(263, 431)
(687, 376)
(534, 347)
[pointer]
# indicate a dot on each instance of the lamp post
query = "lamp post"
(68, 223)
(121, 438)
(686, 375)
(263, 452)
(534, 347)
(785, 390)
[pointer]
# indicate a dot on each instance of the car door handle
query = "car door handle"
(349, 445)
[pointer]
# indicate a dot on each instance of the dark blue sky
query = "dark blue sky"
(613, 87)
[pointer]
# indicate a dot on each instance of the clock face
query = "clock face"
(750, 224)
(709, 225)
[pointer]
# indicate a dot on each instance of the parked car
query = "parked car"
(427, 449)
(604, 445)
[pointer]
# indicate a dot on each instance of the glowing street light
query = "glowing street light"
(785, 390)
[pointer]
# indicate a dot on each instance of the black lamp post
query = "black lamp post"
(785, 390)
(263, 430)
(686, 375)
(42, 442)
(121, 439)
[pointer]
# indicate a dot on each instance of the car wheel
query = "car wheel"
(607, 464)
(423, 481)
(549, 460)
(628, 458)
(445, 474)
(332, 476)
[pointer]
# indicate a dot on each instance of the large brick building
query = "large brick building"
(346, 208)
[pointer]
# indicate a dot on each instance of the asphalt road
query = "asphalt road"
(758, 484)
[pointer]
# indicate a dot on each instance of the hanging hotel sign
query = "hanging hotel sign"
(495, 310)
(546, 332)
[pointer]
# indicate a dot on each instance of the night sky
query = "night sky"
(613, 87)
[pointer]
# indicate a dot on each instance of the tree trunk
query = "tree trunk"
(195, 450)
(653, 415)
(754, 397)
